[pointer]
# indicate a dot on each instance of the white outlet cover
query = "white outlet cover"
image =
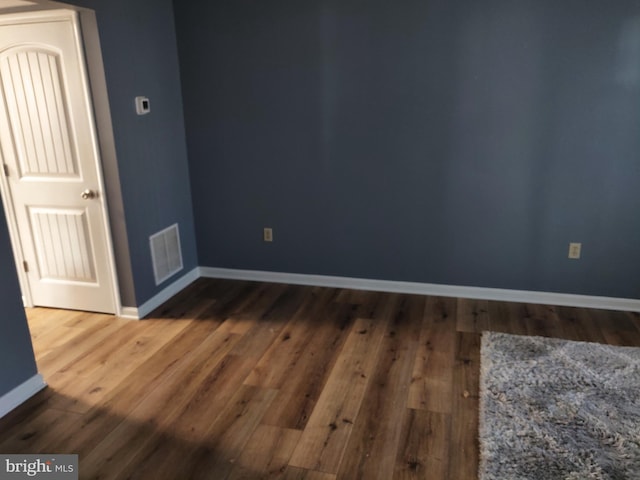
(143, 105)
(575, 250)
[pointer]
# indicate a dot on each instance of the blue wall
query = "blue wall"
(140, 58)
(17, 363)
(457, 142)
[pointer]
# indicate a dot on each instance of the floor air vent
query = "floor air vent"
(166, 254)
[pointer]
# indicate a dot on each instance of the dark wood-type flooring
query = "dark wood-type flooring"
(246, 380)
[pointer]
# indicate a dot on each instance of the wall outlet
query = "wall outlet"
(267, 235)
(575, 250)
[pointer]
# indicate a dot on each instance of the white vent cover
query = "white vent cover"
(166, 254)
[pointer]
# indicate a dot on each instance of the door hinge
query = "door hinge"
(25, 265)
(6, 169)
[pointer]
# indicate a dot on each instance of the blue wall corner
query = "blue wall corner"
(17, 361)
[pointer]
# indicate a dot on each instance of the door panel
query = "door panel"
(49, 145)
(63, 245)
(37, 112)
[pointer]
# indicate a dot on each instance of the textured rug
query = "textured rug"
(556, 409)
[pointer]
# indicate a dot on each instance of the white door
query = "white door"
(53, 189)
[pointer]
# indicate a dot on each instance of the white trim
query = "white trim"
(21, 394)
(524, 296)
(106, 141)
(154, 302)
(130, 313)
(88, 101)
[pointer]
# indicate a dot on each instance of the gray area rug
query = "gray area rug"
(556, 409)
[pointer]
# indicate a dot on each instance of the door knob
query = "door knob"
(88, 194)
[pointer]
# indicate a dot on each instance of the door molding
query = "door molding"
(33, 17)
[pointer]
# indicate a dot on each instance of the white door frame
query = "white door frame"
(38, 17)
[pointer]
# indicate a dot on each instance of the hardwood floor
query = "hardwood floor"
(244, 380)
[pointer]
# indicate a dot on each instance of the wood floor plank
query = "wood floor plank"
(54, 339)
(432, 377)
(238, 379)
(228, 436)
(472, 315)
(374, 440)
(196, 348)
(235, 300)
(43, 321)
(499, 317)
(355, 297)
(294, 473)
(463, 458)
(252, 297)
(424, 450)
(212, 452)
(306, 379)
(211, 392)
(56, 330)
(634, 318)
(249, 313)
(180, 416)
(518, 316)
(161, 381)
(298, 397)
(275, 366)
(76, 349)
(16, 420)
(38, 431)
(327, 432)
(186, 304)
(86, 389)
(621, 331)
(266, 454)
(161, 386)
(578, 325)
(269, 322)
(543, 321)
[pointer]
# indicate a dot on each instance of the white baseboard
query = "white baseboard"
(154, 302)
(21, 394)
(524, 296)
(129, 312)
